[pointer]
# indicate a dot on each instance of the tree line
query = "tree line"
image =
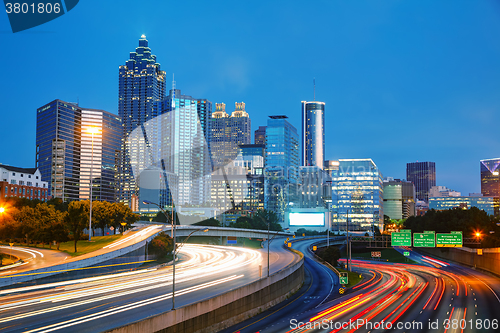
(469, 221)
(33, 221)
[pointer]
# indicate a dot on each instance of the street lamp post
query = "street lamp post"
(147, 202)
(92, 130)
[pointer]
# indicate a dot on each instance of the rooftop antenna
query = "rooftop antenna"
(314, 85)
(173, 90)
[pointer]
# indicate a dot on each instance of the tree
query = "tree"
(162, 245)
(242, 222)
(211, 222)
(331, 255)
(27, 223)
(76, 220)
(268, 216)
(101, 215)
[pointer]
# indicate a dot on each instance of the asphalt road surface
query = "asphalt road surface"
(432, 296)
(109, 301)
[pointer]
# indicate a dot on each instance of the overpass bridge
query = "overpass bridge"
(196, 230)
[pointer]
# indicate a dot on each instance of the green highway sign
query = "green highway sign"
(401, 238)
(406, 253)
(344, 279)
(453, 239)
(425, 239)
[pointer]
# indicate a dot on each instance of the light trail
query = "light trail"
(204, 262)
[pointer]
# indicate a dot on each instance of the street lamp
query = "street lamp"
(185, 241)
(92, 130)
(123, 226)
(147, 202)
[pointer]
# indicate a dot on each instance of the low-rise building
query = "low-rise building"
(22, 183)
(488, 204)
(442, 191)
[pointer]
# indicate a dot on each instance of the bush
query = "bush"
(162, 245)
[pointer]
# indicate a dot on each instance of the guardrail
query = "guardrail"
(224, 310)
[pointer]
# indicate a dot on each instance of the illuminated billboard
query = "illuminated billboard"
(307, 219)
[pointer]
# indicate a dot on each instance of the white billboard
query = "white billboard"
(307, 219)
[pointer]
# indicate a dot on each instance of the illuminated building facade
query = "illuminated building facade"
(282, 162)
(141, 88)
(313, 133)
(399, 199)
(358, 194)
(228, 132)
(488, 204)
(490, 177)
(260, 136)
(106, 149)
(64, 151)
(423, 176)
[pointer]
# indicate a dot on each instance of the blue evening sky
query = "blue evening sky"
(402, 80)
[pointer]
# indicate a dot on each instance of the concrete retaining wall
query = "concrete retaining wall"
(488, 261)
(227, 309)
(53, 270)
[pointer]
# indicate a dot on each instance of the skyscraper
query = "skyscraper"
(359, 195)
(64, 152)
(423, 176)
(282, 162)
(313, 133)
(490, 177)
(141, 88)
(228, 132)
(260, 136)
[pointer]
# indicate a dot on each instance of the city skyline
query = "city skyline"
(456, 75)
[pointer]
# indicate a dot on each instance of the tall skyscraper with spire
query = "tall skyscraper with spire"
(141, 88)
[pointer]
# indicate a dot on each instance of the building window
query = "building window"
(22, 175)
(12, 181)
(13, 174)
(29, 176)
(15, 190)
(36, 177)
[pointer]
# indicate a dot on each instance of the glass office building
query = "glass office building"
(64, 151)
(490, 177)
(488, 204)
(313, 133)
(357, 189)
(141, 88)
(423, 176)
(251, 150)
(281, 164)
(399, 199)
(99, 152)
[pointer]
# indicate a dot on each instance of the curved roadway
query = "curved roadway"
(109, 301)
(432, 296)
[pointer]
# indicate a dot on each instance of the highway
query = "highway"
(33, 258)
(105, 302)
(36, 258)
(432, 296)
(320, 287)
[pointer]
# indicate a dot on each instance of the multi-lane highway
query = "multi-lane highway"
(35, 258)
(104, 302)
(430, 296)
(433, 296)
